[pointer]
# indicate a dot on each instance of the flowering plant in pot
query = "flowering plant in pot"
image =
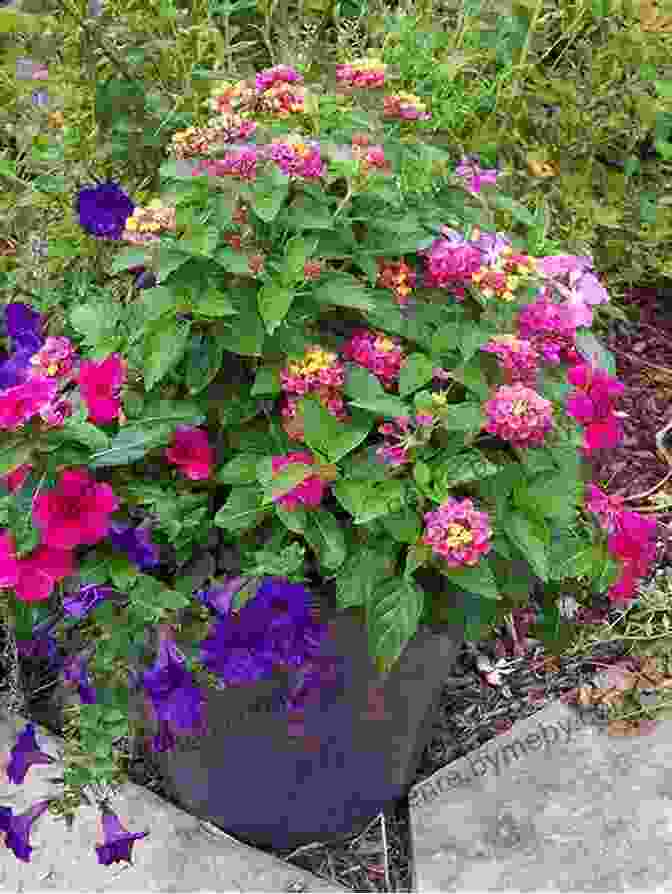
(291, 304)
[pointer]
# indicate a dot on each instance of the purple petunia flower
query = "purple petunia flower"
(17, 828)
(24, 754)
(136, 543)
(174, 698)
(86, 599)
(24, 327)
(75, 673)
(117, 840)
(103, 210)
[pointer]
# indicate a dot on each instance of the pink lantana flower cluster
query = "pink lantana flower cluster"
(297, 157)
(458, 533)
(405, 106)
(450, 264)
(550, 327)
(397, 276)
(240, 162)
(519, 415)
(592, 405)
(229, 97)
(366, 73)
(518, 358)
(319, 372)
(195, 141)
(309, 492)
(276, 96)
(402, 435)
(381, 354)
(504, 274)
(631, 539)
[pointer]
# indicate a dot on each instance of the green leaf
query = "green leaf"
(367, 500)
(274, 301)
(361, 573)
(392, 614)
(405, 526)
(267, 381)
(329, 437)
(213, 304)
(168, 260)
(279, 484)
(95, 321)
(294, 520)
(532, 537)
(245, 334)
(472, 377)
(519, 212)
(553, 497)
(415, 373)
(297, 252)
(242, 469)
(462, 469)
(131, 444)
(467, 417)
(201, 240)
(204, 360)
(14, 456)
(122, 571)
(156, 302)
(366, 392)
(268, 193)
(128, 258)
(232, 261)
(324, 534)
(242, 510)
(164, 346)
(344, 290)
(475, 579)
(84, 433)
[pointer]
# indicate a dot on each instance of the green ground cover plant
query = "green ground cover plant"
(307, 269)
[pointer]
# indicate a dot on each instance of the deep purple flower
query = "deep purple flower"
(14, 369)
(174, 697)
(75, 673)
(86, 599)
(117, 840)
(136, 543)
(219, 599)
(24, 754)
(103, 210)
(17, 828)
(24, 327)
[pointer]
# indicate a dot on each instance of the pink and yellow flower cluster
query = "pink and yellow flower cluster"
(458, 533)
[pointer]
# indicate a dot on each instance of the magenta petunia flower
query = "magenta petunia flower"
(75, 512)
(32, 578)
(99, 384)
(21, 402)
(191, 452)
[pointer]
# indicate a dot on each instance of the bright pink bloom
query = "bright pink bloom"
(519, 415)
(279, 74)
(20, 403)
(76, 511)
(309, 492)
(457, 532)
(99, 385)
(518, 357)
(475, 176)
(297, 158)
(450, 264)
(191, 452)
(55, 358)
(607, 508)
(592, 405)
(32, 578)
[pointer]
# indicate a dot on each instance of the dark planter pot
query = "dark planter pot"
(367, 734)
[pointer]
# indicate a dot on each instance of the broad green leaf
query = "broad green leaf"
(268, 193)
(297, 251)
(242, 511)
(274, 301)
(415, 373)
(233, 261)
(532, 538)
(131, 444)
(278, 484)
(84, 433)
(11, 457)
(201, 239)
(164, 346)
(478, 578)
(368, 500)
(324, 534)
(213, 304)
(392, 614)
(267, 381)
(360, 574)
(242, 469)
(467, 417)
(325, 434)
(95, 321)
(405, 525)
(462, 469)
(294, 520)
(245, 333)
(344, 290)
(168, 260)
(204, 360)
